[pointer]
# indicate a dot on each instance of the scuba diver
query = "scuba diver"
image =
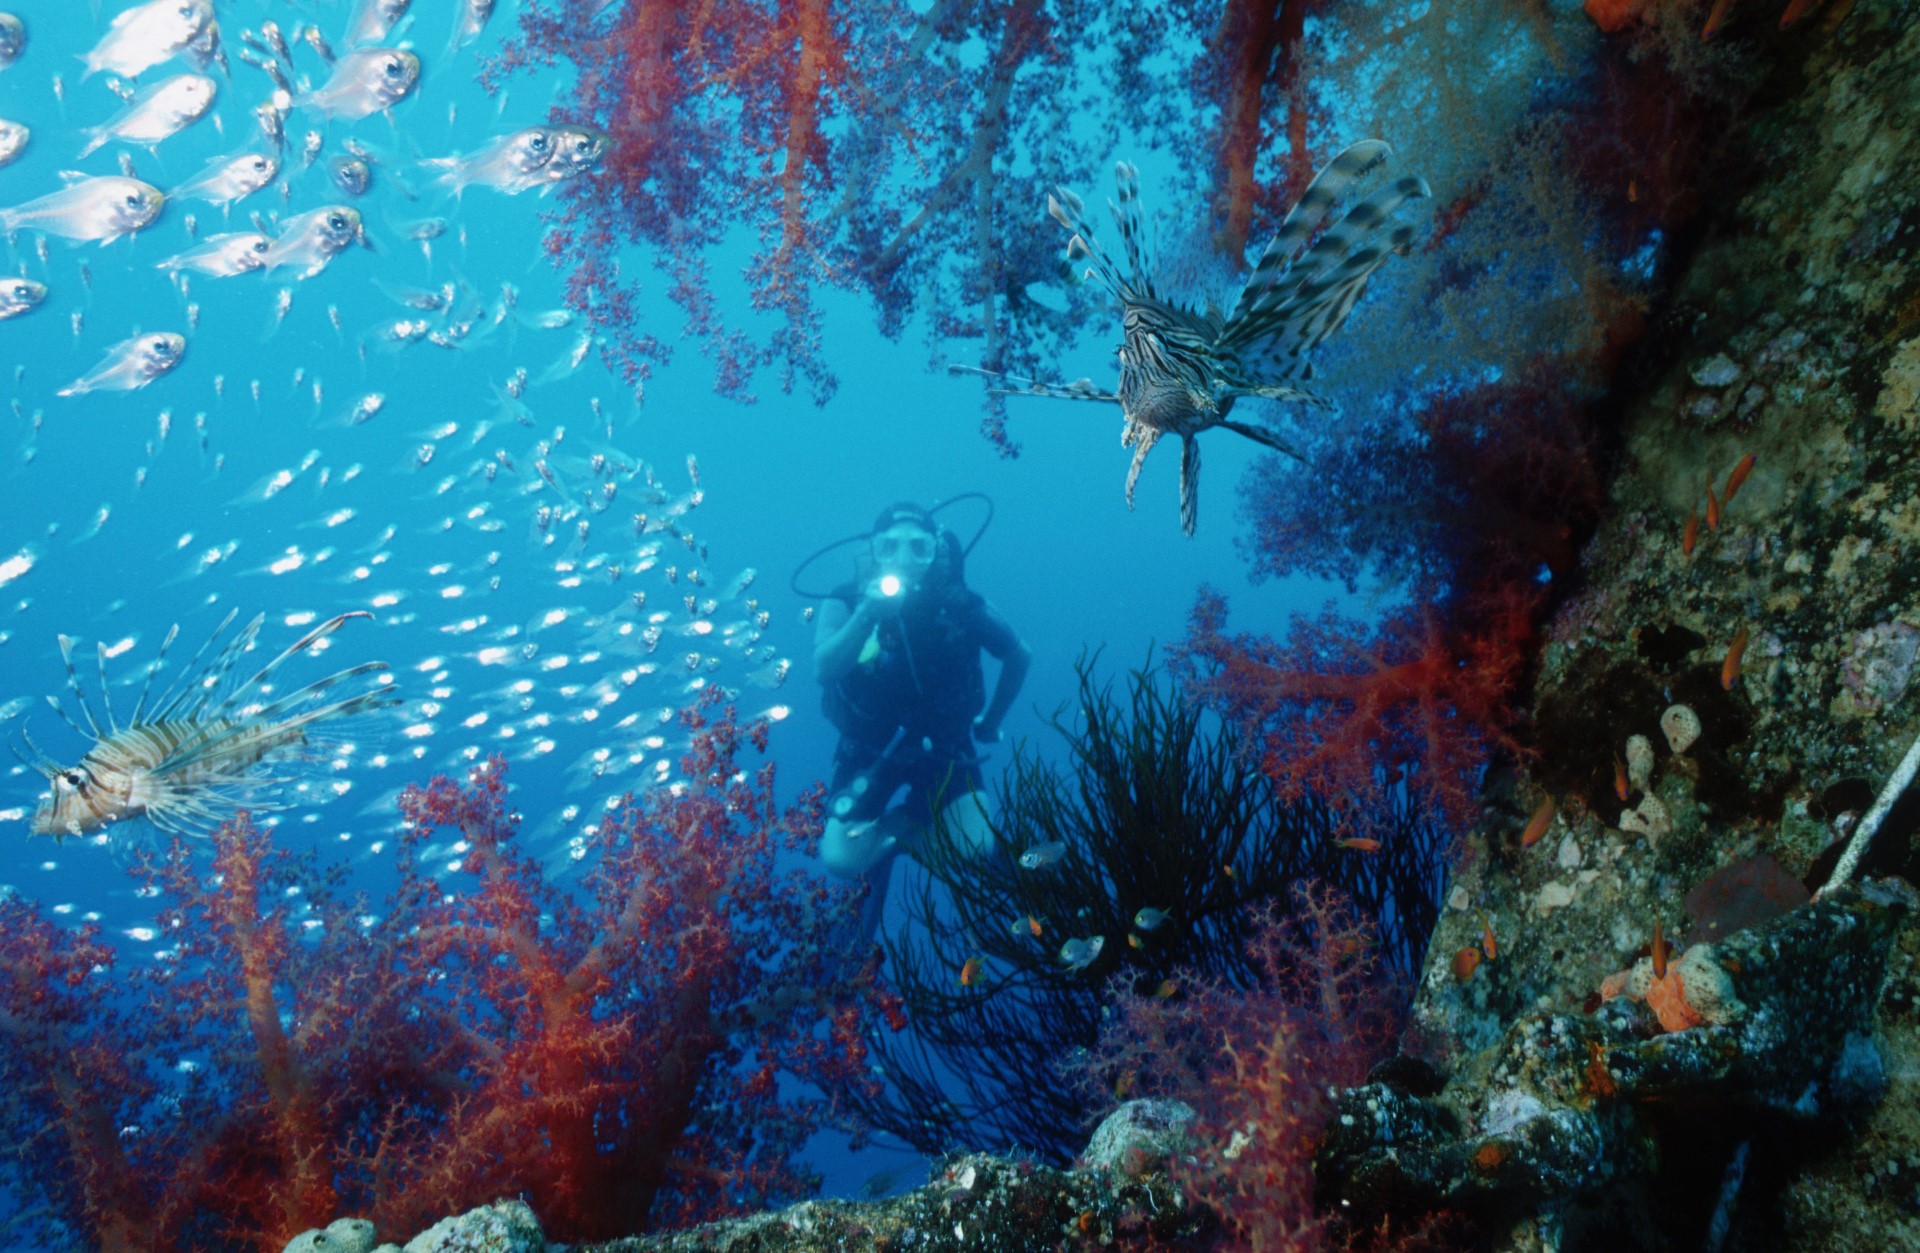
(897, 650)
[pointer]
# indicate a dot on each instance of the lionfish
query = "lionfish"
(1182, 369)
(204, 749)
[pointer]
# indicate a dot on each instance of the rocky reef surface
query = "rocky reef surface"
(1672, 1046)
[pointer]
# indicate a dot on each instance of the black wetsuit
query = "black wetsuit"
(906, 715)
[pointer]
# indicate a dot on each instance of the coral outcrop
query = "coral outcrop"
(1717, 705)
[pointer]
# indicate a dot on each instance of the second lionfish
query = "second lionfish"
(1182, 369)
(206, 747)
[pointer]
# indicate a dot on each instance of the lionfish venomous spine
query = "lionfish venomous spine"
(206, 746)
(1182, 369)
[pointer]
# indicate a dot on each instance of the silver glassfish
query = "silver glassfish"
(365, 81)
(222, 256)
(13, 140)
(312, 240)
(13, 39)
(472, 19)
(130, 364)
(156, 113)
(147, 34)
(374, 20)
(20, 295)
(512, 163)
(231, 178)
(102, 208)
(577, 150)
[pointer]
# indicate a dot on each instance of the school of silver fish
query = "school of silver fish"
(334, 183)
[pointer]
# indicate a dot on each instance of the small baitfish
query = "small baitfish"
(13, 39)
(512, 163)
(147, 34)
(156, 113)
(102, 208)
(470, 21)
(312, 240)
(374, 20)
(351, 175)
(13, 140)
(364, 81)
(222, 256)
(1041, 856)
(130, 364)
(231, 178)
(576, 150)
(1079, 954)
(20, 295)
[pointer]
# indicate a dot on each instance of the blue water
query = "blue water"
(1065, 559)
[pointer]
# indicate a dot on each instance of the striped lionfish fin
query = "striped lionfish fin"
(188, 695)
(1305, 217)
(252, 738)
(1286, 392)
(1261, 435)
(1189, 483)
(1127, 216)
(1068, 209)
(79, 694)
(1079, 389)
(299, 646)
(1319, 310)
(153, 668)
(1143, 438)
(282, 705)
(39, 763)
(1287, 307)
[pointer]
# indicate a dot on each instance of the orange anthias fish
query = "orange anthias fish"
(1730, 666)
(1359, 845)
(1736, 478)
(1537, 825)
(970, 971)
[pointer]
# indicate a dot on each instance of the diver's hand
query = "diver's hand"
(984, 733)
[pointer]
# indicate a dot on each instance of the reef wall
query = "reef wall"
(1717, 705)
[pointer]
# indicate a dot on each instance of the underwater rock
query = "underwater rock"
(1140, 1134)
(1121, 1198)
(503, 1227)
(1785, 1014)
(342, 1235)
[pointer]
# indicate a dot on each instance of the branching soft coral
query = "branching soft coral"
(1346, 716)
(1257, 1065)
(292, 1055)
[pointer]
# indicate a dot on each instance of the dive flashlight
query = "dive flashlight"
(889, 585)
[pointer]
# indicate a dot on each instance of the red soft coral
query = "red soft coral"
(1342, 715)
